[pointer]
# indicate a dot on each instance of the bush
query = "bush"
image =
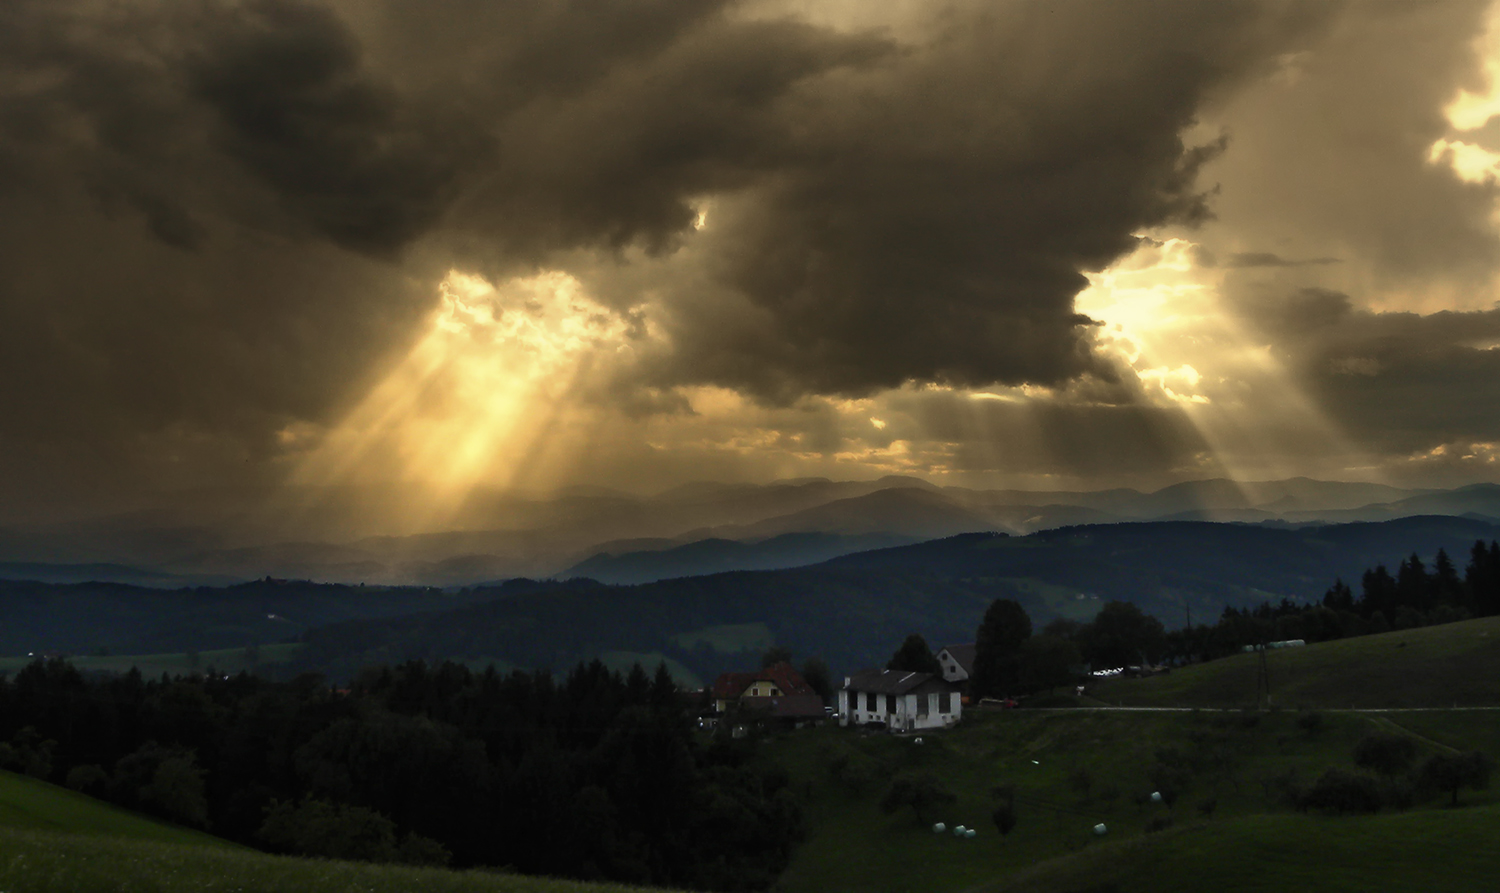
(1004, 817)
(1341, 791)
(921, 792)
(329, 830)
(1449, 772)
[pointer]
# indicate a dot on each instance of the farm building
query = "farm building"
(957, 662)
(902, 700)
(777, 692)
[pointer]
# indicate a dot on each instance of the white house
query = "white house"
(957, 662)
(901, 700)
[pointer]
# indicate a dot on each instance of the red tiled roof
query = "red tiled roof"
(787, 679)
(732, 685)
(782, 675)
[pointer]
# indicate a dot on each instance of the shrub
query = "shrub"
(329, 830)
(1449, 772)
(1341, 791)
(921, 792)
(1004, 817)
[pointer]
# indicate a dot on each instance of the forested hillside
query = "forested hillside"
(853, 610)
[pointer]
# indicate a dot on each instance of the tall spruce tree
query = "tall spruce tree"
(997, 649)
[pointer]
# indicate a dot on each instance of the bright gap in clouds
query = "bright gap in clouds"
(479, 398)
(1163, 317)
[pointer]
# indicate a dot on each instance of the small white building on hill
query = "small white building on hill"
(903, 701)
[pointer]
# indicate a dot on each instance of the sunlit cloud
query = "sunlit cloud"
(1163, 318)
(1471, 110)
(481, 395)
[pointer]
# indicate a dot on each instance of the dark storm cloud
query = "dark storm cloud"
(1398, 382)
(936, 217)
(296, 109)
(220, 216)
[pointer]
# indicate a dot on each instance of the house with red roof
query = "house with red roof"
(778, 692)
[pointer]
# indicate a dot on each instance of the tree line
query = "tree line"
(1415, 595)
(597, 775)
(1010, 660)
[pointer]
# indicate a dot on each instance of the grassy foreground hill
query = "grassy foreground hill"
(1069, 770)
(1428, 851)
(53, 840)
(1229, 822)
(38, 862)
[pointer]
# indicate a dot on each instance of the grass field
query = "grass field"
(1071, 770)
(1426, 851)
(40, 862)
(228, 660)
(27, 804)
(53, 840)
(1455, 664)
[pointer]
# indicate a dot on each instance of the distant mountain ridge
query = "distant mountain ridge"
(508, 535)
(855, 609)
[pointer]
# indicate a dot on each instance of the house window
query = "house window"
(945, 702)
(890, 703)
(870, 702)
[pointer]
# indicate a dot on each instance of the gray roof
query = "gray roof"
(896, 682)
(964, 654)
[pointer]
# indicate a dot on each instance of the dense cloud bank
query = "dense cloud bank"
(224, 219)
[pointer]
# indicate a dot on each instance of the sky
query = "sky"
(460, 245)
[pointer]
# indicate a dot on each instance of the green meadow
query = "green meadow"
(1232, 825)
(1423, 851)
(53, 840)
(1452, 665)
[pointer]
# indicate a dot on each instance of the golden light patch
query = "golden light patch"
(477, 398)
(1163, 319)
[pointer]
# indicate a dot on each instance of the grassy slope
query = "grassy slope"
(32, 805)
(34, 862)
(854, 845)
(58, 841)
(1436, 666)
(1422, 851)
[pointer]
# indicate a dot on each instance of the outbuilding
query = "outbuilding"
(902, 700)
